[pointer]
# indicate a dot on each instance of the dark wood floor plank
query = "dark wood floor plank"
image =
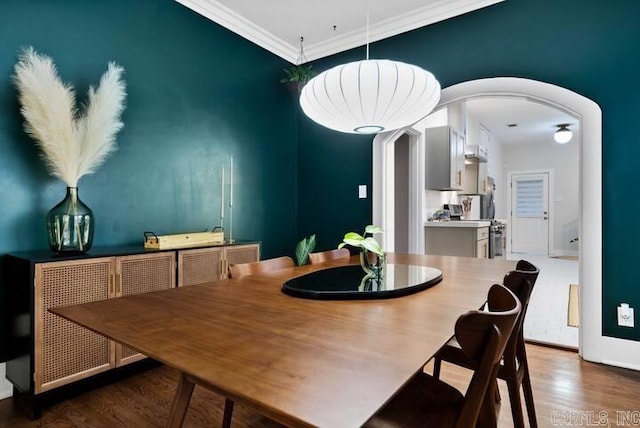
(561, 382)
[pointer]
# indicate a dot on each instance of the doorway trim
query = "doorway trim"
(551, 212)
(383, 191)
(593, 345)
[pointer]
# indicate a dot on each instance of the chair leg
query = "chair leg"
(528, 398)
(228, 411)
(516, 403)
(437, 362)
(497, 394)
(488, 416)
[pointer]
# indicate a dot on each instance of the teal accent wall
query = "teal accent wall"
(332, 165)
(197, 94)
(589, 47)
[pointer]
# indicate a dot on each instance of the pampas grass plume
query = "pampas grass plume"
(73, 144)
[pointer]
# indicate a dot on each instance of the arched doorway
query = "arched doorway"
(593, 346)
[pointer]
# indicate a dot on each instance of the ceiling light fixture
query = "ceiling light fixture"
(370, 96)
(563, 134)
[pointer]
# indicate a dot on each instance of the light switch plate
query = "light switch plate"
(362, 191)
(625, 316)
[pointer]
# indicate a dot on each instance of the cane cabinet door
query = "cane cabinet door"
(63, 351)
(238, 254)
(137, 274)
(199, 266)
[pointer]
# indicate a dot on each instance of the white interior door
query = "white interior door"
(530, 213)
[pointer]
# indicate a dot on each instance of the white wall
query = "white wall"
(5, 386)
(563, 160)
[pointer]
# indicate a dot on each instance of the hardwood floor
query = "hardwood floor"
(572, 391)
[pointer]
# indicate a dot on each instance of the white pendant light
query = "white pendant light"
(563, 134)
(370, 96)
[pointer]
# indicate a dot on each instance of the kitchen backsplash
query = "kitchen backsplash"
(434, 200)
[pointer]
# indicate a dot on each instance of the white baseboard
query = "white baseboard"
(564, 253)
(624, 365)
(6, 390)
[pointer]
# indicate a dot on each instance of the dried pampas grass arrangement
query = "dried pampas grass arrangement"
(74, 143)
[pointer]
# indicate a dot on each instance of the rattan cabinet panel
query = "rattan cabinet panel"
(202, 265)
(199, 266)
(139, 274)
(238, 254)
(64, 351)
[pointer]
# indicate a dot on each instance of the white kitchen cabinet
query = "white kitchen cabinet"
(483, 183)
(484, 168)
(475, 179)
(482, 243)
(444, 150)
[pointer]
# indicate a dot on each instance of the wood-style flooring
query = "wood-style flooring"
(565, 389)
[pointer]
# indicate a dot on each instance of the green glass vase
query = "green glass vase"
(70, 225)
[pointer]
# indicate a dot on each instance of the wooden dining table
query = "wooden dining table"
(297, 361)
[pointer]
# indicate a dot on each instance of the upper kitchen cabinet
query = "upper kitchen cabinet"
(476, 165)
(483, 168)
(444, 149)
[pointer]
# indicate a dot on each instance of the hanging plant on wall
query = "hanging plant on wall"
(299, 74)
(74, 142)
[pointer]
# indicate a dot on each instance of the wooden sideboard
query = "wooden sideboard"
(51, 352)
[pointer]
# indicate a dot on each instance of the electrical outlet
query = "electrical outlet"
(625, 315)
(362, 191)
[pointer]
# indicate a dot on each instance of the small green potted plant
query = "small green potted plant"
(297, 76)
(368, 245)
(304, 247)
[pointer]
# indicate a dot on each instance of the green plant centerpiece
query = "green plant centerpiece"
(372, 258)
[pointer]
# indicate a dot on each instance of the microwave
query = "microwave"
(455, 211)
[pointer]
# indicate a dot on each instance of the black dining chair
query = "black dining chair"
(428, 402)
(514, 368)
(325, 256)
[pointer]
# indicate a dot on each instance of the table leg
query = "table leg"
(228, 411)
(180, 402)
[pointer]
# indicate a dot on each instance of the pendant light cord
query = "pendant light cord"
(301, 58)
(367, 32)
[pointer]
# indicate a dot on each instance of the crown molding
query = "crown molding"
(421, 17)
(231, 20)
(440, 11)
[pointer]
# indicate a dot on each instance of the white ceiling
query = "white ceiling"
(276, 25)
(536, 122)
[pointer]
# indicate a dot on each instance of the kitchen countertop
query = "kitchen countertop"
(458, 223)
